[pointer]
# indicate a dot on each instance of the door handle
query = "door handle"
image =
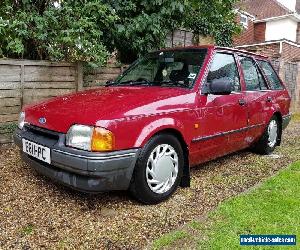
(269, 99)
(242, 102)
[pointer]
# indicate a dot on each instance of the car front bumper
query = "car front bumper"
(85, 171)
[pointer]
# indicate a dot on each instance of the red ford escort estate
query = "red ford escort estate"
(169, 111)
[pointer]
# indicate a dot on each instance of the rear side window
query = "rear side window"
(254, 80)
(224, 66)
(271, 75)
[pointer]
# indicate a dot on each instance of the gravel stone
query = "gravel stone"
(36, 213)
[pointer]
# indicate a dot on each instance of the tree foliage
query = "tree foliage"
(88, 30)
(44, 29)
(143, 25)
(213, 18)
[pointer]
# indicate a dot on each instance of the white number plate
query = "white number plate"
(38, 151)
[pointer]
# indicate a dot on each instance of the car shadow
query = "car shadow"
(92, 201)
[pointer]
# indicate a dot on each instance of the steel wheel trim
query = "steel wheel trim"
(162, 168)
(272, 132)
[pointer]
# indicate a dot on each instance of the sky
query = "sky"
(288, 3)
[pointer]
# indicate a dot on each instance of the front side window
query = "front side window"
(270, 75)
(174, 68)
(224, 68)
(254, 80)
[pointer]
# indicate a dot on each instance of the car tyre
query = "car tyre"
(158, 170)
(269, 140)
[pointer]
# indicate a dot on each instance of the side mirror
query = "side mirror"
(221, 86)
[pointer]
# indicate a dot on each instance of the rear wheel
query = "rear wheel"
(158, 170)
(269, 139)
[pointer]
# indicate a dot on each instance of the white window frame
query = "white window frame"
(245, 24)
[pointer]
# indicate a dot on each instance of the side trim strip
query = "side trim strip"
(205, 138)
(97, 157)
(286, 116)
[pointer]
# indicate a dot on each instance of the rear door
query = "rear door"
(278, 96)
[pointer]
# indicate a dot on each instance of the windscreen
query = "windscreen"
(176, 68)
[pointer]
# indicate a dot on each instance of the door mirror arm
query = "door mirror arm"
(205, 89)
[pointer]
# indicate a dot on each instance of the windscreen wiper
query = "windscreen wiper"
(135, 82)
(172, 83)
(110, 83)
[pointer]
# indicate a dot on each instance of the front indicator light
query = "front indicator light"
(102, 140)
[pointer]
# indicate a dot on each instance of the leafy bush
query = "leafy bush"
(213, 18)
(143, 25)
(71, 30)
(88, 30)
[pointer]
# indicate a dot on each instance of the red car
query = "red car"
(169, 111)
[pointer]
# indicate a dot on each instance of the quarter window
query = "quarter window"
(254, 80)
(270, 75)
(224, 67)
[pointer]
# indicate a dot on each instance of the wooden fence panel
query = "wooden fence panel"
(100, 76)
(26, 82)
(49, 74)
(10, 102)
(179, 38)
(10, 73)
(290, 74)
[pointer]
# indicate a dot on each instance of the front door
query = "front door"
(222, 118)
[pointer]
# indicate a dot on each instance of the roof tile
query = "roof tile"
(263, 9)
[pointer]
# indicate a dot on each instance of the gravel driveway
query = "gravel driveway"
(35, 213)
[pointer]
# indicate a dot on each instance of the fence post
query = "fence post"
(281, 69)
(297, 90)
(79, 76)
(22, 81)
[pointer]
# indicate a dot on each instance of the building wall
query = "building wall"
(259, 32)
(298, 6)
(281, 29)
(298, 33)
(247, 34)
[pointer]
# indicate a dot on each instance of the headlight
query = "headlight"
(90, 138)
(21, 120)
(79, 136)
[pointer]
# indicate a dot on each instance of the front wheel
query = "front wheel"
(158, 170)
(269, 139)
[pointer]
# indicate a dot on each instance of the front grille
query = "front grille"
(42, 132)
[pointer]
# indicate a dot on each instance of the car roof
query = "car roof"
(242, 51)
(213, 47)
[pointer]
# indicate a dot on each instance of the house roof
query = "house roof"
(263, 9)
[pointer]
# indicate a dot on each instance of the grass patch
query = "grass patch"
(169, 239)
(27, 230)
(8, 128)
(272, 208)
(296, 117)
